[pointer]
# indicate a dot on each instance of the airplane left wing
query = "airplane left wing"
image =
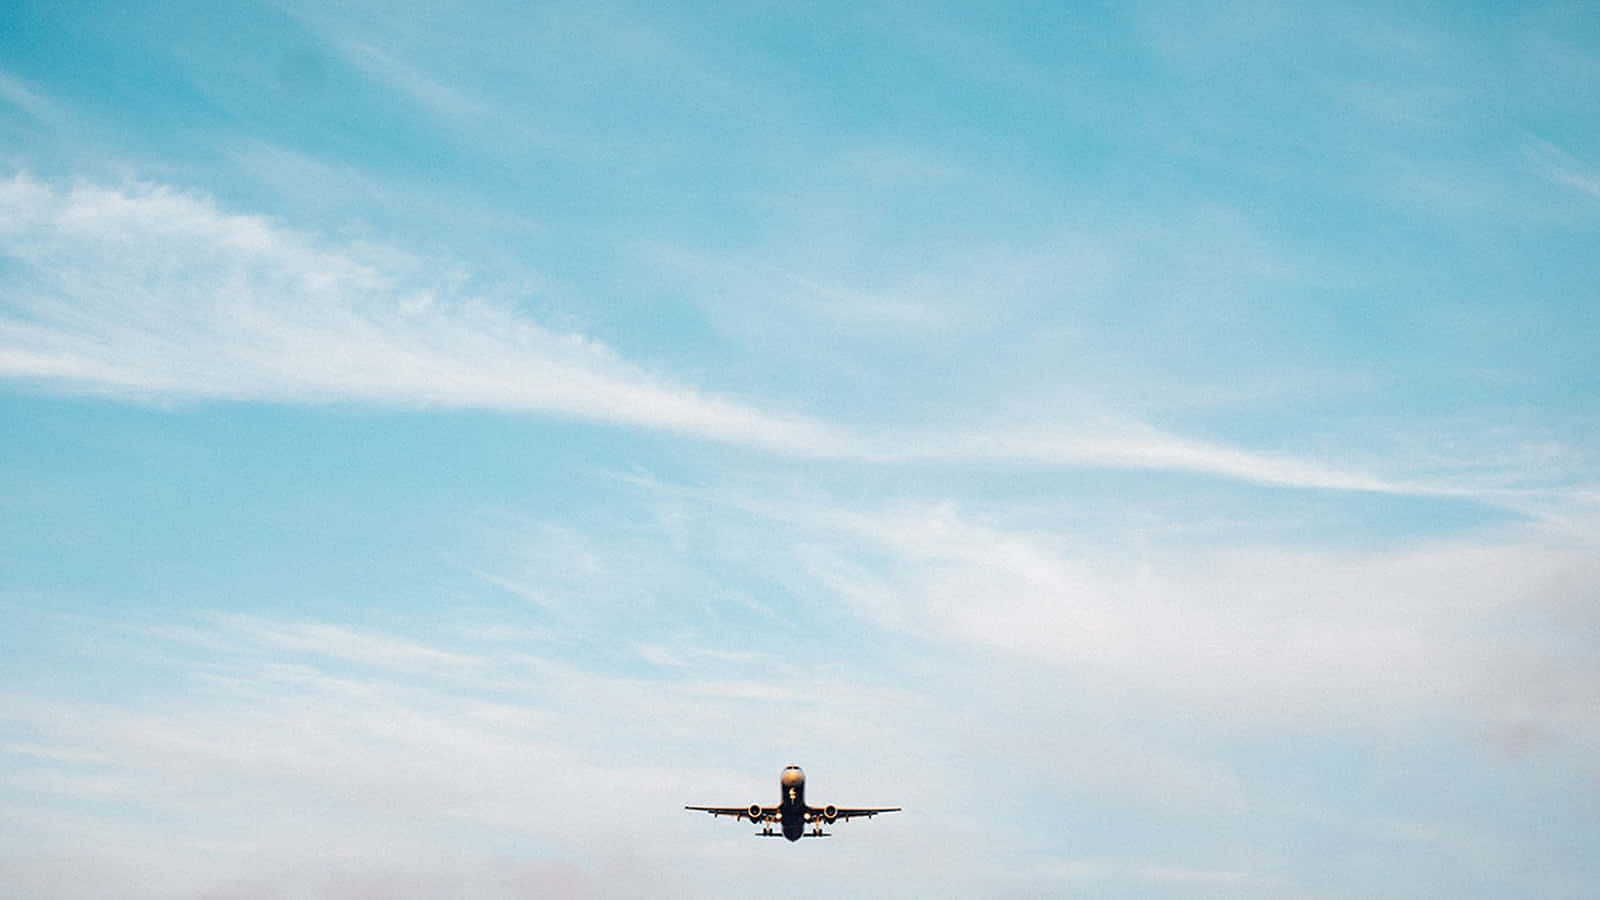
(753, 812)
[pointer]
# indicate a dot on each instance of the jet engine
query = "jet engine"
(830, 812)
(754, 812)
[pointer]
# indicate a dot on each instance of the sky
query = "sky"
(1155, 444)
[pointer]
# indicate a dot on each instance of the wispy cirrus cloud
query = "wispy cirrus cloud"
(25, 97)
(147, 292)
(150, 292)
(471, 116)
(1560, 167)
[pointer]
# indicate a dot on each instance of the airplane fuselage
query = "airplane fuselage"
(792, 802)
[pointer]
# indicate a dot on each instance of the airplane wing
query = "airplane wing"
(767, 813)
(848, 812)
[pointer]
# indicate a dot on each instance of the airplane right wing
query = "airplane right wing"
(851, 812)
(755, 812)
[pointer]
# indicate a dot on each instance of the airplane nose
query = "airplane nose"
(793, 777)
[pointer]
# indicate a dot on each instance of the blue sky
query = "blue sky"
(1155, 445)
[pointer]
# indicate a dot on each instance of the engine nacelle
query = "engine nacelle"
(754, 812)
(830, 812)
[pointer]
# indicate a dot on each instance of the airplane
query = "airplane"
(792, 814)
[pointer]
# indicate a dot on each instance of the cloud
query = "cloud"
(1154, 609)
(1200, 878)
(343, 769)
(150, 293)
(1158, 695)
(23, 96)
(1469, 630)
(466, 112)
(1559, 167)
(338, 774)
(1131, 445)
(344, 644)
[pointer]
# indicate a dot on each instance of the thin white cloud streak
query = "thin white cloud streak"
(20, 94)
(1133, 446)
(148, 292)
(343, 644)
(469, 114)
(1557, 166)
